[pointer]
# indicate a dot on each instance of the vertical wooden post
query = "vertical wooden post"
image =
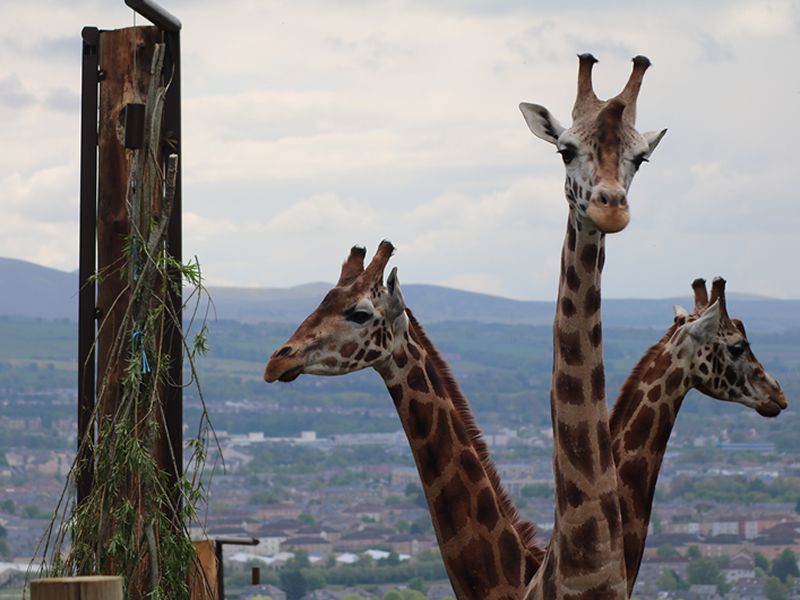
(125, 56)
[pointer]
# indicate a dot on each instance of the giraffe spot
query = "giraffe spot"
(596, 335)
(477, 568)
(416, 380)
(400, 358)
(673, 380)
(568, 307)
(372, 355)
(530, 568)
(347, 349)
(591, 304)
(578, 552)
(360, 354)
(632, 555)
(576, 446)
(569, 389)
(569, 345)
(435, 456)
(681, 353)
(658, 368)
(396, 392)
(639, 431)
(414, 351)
(601, 258)
(452, 506)
(589, 257)
(655, 393)
(433, 377)
(598, 383)
(573, 281)
(611, 508)
(571, 236)
(486, 507)
(604, 447)
(634, 475)
(663, 429)
(330, 362)
(420, 419)
(573, 494)
(471, 466)
(511, 553)
(730, 375)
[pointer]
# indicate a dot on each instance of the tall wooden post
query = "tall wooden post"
(125, 56)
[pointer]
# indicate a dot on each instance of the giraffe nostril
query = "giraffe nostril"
(285, 351)
(604, 200)
(623, 202)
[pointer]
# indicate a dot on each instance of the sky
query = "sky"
(310, 126)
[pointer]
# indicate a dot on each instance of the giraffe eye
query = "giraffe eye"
(358, 316)
(638, 160)
(738, 348)
(568, 153)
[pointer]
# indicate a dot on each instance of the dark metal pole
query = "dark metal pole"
(87, 261)
(173, 409)
(156, 14)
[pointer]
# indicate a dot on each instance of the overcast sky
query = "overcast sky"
(311, 126)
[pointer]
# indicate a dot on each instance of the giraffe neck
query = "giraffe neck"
(641, 423)
(487, 550)
(585, 551)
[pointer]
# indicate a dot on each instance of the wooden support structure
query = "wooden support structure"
(96, 587)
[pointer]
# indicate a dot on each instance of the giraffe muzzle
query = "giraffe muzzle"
(283, 366)
(609, 212)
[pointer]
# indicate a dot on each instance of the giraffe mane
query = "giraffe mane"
(631, 383)
(525, 529)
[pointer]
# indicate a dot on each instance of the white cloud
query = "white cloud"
(309, 127)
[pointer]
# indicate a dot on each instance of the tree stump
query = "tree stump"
(94, 587)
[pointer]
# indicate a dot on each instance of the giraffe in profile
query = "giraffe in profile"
(601, 151)
(487, 550)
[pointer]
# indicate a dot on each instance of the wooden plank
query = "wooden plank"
(95, 587)
(203, 585)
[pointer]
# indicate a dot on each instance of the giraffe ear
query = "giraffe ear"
(679, 311)
(541, 123)
(653, 138)
(707, 325)
(396, 305)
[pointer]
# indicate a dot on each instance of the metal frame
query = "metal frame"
(88, 258)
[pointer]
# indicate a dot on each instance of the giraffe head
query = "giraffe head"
(721, 363)
(602, 150)
(354, 327)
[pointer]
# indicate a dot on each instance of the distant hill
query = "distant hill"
(30, 290)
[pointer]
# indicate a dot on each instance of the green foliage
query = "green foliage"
(774, 589)
(785, 566)
(669, 581)
(667, 551)
(418, 584)
(293, 582)
(703, 571)
(760, 561)
(693, 552)
(537, 490)
(7, 506)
